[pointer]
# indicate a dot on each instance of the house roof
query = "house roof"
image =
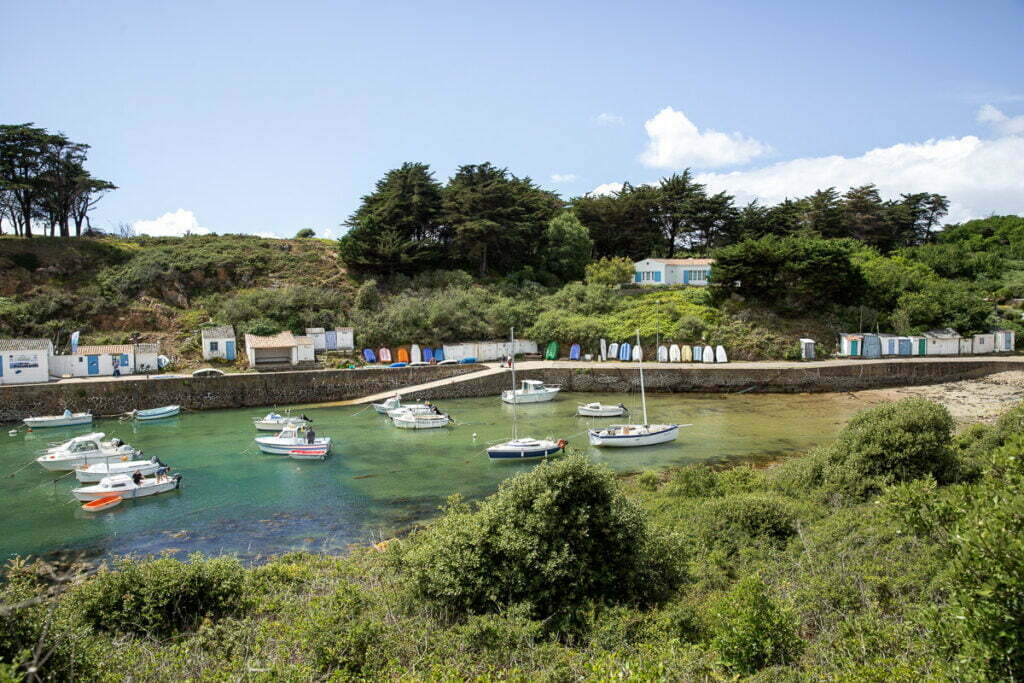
(304, 341)
(108, 348)
(219, 332)
(277, 341)
(315, 330)
(24, 344)
(343, 329)
(147, 348)
(684, 261)
(947, 333)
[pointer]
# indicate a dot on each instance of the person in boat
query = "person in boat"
(310, 436)
(306, 418)
(161, 473)
(67, 412)
(137, 478)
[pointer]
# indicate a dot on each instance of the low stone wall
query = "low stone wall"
(230, 391)
(794, 378)
(288, 388)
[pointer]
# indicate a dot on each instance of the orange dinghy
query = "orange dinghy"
(403, 355)
(102, 503)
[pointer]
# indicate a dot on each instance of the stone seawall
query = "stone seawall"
(230, 391)
(322, 386)
(793, 378)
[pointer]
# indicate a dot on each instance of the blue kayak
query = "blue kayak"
(369, 356)
(468, 361)
(398, 365)
(439, 354)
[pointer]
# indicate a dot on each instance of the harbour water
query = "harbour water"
(378, 482)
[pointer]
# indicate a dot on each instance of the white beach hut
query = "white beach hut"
(25, 360)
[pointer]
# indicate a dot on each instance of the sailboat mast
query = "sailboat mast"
(515, 399)
(640, 363)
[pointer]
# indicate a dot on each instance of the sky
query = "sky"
(267, 118)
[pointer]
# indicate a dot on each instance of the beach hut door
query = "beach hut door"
(921, 345)
(904, 347)
(854, 347)
(229, 350)
(331, 340)
(94, 364)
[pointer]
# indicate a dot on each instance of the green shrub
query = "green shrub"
(648, 480)
(693, 481)
(553, 539)
(732, 521)
(751, 630)
(342, 635)
(160, 597)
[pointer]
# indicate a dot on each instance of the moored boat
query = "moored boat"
(157, 413)
(92, 473)
(290, 438)
(66, 419)
(531, 391)
(103, 503)
(85, 450)
(390, 404)
(421, 421)
(410, 408)
(125, 486)
(601, 410)
(273, 422)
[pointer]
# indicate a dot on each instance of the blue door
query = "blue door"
(1, 366)
(686, 277)
(657, 276)
(229, 350)
(904, 347)
(636, 277)
(124, 360)
(331, 340)
(872, 347)
(94, 364)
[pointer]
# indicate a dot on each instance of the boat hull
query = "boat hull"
(600, 439)
(275, 446)
(104, 503)
(59, 464)
(531, 397)
(599, 410)
(88, 493)
(158, 413)
(505, 452)
(421, 422)
(57, 421)
(276, 426)
(93, 474)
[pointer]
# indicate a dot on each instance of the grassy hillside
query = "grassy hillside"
(893, 553)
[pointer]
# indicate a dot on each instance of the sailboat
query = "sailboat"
(625, 435)
(524, 448)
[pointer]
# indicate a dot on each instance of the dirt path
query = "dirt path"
(972, 400)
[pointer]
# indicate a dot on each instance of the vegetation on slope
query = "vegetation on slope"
(892, 553)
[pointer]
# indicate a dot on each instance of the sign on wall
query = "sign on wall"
(23, 360)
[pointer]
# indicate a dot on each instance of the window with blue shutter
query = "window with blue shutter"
(636, 277)
(124, 360)
(657, 276)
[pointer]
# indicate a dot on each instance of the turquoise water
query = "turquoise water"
(379, 480)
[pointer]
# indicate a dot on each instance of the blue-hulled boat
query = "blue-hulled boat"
(398, 364)
(369, 356)
(157, 413)
(574, 352)
(468, 361)
(439, 354)
(625, 351)
(428, 355)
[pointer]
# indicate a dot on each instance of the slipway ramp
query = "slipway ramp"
(426, 386)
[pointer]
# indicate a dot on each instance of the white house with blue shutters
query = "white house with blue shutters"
(673, 271)
(218, 342)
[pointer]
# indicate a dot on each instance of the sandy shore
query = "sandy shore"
(973, 400)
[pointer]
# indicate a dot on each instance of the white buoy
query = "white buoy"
(474, 436)
(14, 432)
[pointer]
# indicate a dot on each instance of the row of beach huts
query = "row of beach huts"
(945, 342)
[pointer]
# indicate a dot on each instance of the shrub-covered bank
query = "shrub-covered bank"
(893, 553)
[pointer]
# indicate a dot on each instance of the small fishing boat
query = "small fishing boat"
(720, 356)
(468, 361)
(574, 352)
(402, 355)
(104, 503)
(421, 420)
(552, 351)
(122, 485)
(531, 391)
(439, 354)
(310, 453)
(663, 354)
(415, 354)
(418, 364)
(66, 419)
(525, 448)
(698, 351)
(290, 438)
(410, 409)
(92, 473)
(687, 354)
(369, 356)
(625, 351)
(384, 354)
(644, 434)
(398, 364)
(675, 355)
(638, 352)
(613, 351)
(85, 450)
(448, 361)
(390, 404)
(708, 355)
(157, 413)
(601, 410)
(274, 422)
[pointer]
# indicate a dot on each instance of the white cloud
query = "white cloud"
(1007, 125)
(675, 143)
(172, 224)
(607, 188)
(327, 234)
(607, 119)
(980, 177)
(563, 177)
(268, 235)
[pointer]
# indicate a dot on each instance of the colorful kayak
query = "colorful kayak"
(574, 352)
(625, 351)
(675, 355)
(415, 355)
(613, 351)
(403, 355)
(698, 351)
(687, 354)
(428, 354)
(384, 354)
(662, 354)
(439, 354)
(369, 356)
(398, 364)
(552, 351)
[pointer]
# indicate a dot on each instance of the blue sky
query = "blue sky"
(270, 117)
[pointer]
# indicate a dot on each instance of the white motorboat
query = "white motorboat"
(90, 474)
(625, 435)
(291, 437)
(66, 419)
(123, 485)
(411, 409)
(601, 410)
(390, 404)
(531, 391)
(274, 422)
(87, 449)
(525, 448)
(421, 421)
